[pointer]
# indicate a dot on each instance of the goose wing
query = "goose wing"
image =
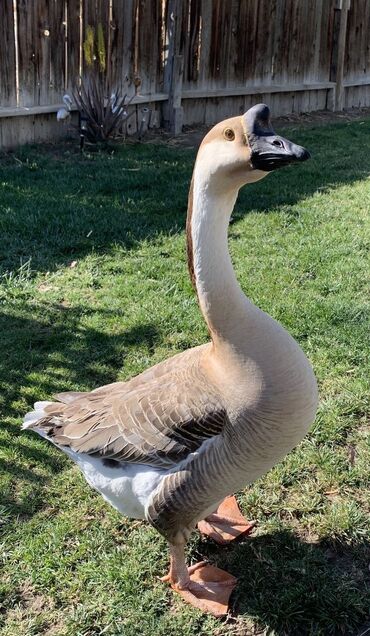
(157, 422)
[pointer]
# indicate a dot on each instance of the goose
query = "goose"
(173, 444)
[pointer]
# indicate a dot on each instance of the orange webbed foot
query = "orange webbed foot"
(227, 523)
(208, 588)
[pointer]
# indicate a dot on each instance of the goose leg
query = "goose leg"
(227, 523)
(202, 585)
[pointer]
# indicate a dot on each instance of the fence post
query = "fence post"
(344, 5)
(173, 72)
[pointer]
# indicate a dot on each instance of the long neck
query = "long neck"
(222, 302)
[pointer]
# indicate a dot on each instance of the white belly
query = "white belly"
(126, 487)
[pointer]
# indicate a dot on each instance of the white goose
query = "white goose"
(172, 443)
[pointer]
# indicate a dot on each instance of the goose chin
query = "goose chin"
(269, 161)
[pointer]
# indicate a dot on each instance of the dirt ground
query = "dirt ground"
(192, 136)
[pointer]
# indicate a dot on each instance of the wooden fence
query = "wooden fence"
(194, 61)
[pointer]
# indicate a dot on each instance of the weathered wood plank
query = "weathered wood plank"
(263, 49)
(40, 51)
(73, 51)
(326, 42)
(27, 30)
(244, 70)
(192, 41)
(34, 45)
(174, 66)
(95, 15)
(362, 81)
(57, 28)
(256, 89)
(339, 91)
(149, 18)
(123, 44)
(102, 24)
(211, 110)
(357, 46)
(42, 45)
(38, 128)
(8, 94)
(22, 111)
(205, 46)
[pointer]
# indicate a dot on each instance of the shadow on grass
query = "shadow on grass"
(294, 588)
(59, 207)
(86, 356)
(78, 357)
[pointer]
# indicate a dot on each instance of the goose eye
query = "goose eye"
(229, 134)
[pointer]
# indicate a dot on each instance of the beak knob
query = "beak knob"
(257, 120)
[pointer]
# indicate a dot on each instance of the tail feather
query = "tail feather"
(43, 423)
(34, 417)
(39, 414)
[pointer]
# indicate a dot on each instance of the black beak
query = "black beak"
(269, 151)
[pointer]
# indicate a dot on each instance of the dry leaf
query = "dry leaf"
(44, 287)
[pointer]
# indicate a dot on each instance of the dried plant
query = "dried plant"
(103, 111)
(102, 107)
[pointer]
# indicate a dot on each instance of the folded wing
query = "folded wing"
(156, 422)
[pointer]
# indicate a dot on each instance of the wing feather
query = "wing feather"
(158, 421)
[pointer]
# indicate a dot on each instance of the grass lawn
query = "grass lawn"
(94, 288)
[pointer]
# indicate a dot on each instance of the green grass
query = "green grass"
(69, 564)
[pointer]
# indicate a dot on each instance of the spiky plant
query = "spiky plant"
(102, 107)
(103, 111)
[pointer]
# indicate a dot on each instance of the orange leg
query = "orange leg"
(202, 585)
(227, 523)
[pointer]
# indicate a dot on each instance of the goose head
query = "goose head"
(245, 149)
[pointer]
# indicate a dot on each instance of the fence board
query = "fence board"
(193, 41)
(73, 52)
(232, 53)
(27, 30)
(42, 50)
(8, 93)
(123, 43)
(357, 57)
(263, 42)
(149, 43)
(57, 27)
(95, 14)
(205, 27)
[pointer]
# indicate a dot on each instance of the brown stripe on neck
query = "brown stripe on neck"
(189, 238)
